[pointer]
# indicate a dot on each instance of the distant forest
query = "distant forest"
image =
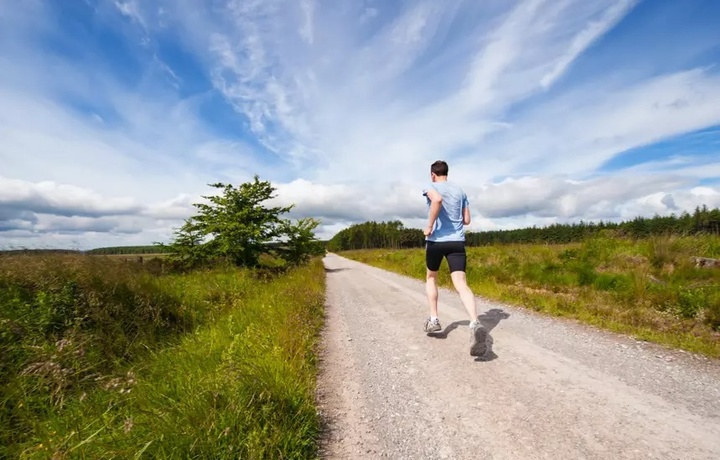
(153, 249)
(149, 249)
(394, 235)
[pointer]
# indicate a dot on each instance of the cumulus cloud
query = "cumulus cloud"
(556, 196)
(81, 225)
(49, 210)
(61, 199)
(341, 202)
(509, 203)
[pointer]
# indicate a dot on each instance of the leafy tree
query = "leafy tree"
(187, 247)
(300, 244)
(236, 225)
(376, 235)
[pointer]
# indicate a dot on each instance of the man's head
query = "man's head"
(439, 169)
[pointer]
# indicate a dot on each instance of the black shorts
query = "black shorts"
(454, 251)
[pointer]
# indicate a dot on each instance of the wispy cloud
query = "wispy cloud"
(365, 97)
(553, 137)
(131, 9)
(307, 31)
(593, 30)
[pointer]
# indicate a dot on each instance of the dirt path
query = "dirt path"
(547, 389)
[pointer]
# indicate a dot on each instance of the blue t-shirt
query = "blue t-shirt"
(449, 224)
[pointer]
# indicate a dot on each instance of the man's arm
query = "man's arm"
(435, 206)
(466, 215)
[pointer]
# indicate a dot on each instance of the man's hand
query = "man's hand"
(428, 230)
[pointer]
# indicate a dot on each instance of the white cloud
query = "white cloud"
(594, 30)
(579, 131)
(174, 210)
(130, 9)
(410, 29)
(61, 199)
(48, 211)
(340, 202)
(306, 31)
(368, 14)
(597, 198)
(74, 225)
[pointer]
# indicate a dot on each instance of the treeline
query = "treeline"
(393, 235)
(376, 235)
(154, 249)
(15, 252)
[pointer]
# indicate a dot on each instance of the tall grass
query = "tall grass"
(648, 288)
(103, 360)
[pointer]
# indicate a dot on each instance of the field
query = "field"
(104, 358)
(650, 289)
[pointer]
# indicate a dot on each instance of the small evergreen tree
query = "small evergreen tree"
(237, 226)
(300, 244)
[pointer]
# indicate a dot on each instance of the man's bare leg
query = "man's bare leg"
(432, 292)
(478, 334)
(466, 296)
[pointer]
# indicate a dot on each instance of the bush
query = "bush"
(661, 251)
(691, 301)
(67, 323)
(711, 311)
(240, 386)
(585, 274)
(611, 282)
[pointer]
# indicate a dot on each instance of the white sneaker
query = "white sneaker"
(478, 339)
(432, 325)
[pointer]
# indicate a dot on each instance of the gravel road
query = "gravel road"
(547, 388)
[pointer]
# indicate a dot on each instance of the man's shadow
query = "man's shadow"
(335, 270)
(488, 321)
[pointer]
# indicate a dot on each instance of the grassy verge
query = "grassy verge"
(649, 289)
(104, 360)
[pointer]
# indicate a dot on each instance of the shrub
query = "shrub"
(585, 274)
(611, 282)
(691, 301)
(660, 251)
(67, 322)
(711, 311)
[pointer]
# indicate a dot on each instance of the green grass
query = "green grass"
(107, 360)
(649, 289)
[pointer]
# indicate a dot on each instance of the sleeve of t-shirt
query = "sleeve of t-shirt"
(465, 201)
(425, 191)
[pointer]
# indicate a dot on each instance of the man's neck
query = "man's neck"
(440, 178)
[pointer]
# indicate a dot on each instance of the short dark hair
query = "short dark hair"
(439, 168)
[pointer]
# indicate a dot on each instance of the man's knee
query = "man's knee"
(458, 278)
(431, 275)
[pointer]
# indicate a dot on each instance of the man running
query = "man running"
(448, 212)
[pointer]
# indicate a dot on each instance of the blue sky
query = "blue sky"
(116, 114)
